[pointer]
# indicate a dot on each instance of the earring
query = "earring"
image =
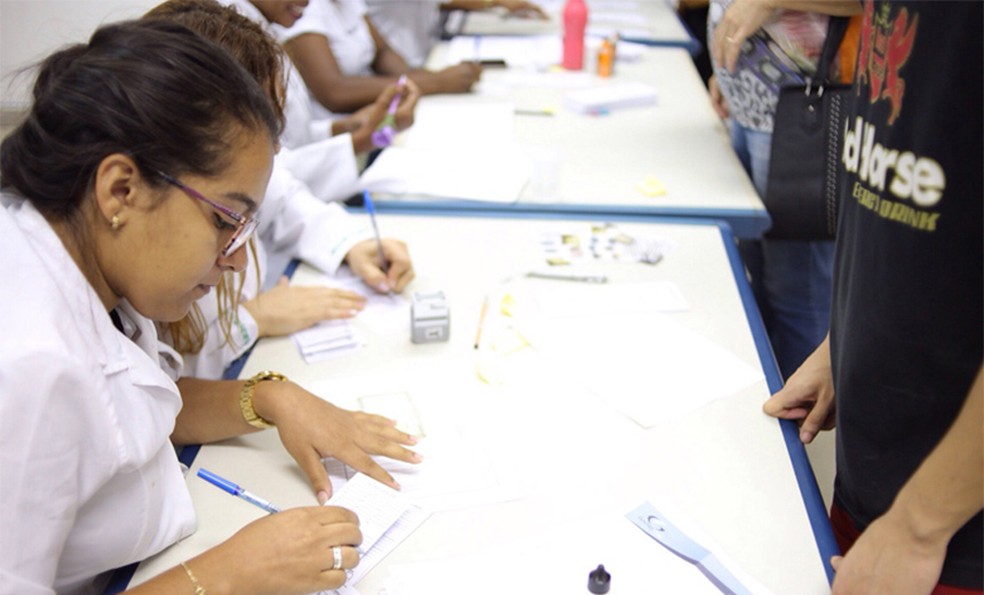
(115, 222)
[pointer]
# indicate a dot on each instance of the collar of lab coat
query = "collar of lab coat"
(115, 352)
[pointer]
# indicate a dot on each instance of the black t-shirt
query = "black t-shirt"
(908, 314)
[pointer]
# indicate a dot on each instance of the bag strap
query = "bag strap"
(836, 28)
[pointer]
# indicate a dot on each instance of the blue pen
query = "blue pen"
(235, 490)
(367, 199)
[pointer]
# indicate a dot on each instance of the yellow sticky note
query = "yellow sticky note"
(506, 306)
(651, 186)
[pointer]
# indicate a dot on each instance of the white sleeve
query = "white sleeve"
(317, 18)
(54, 429)
(305, 123)
(295, 224)
(327, 167)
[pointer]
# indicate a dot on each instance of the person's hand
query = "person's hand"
(522, 8)
(459, 78)
(717, 100)
(407, 105)
(889, 558)
(364, 122)
(287, 552)
(364, 260)
(311, 429)
(284, 309)
(739, 22)
(808, 395)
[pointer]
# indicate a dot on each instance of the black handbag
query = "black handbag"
(802, 192)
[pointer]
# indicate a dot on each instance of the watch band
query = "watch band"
(246, 398)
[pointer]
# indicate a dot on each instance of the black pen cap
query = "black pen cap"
(599, 581)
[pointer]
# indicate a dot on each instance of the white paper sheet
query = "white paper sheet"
(559, 560)
(460, 466)
(574, 299)
(648, 367)
(493, 176)
(386, 518)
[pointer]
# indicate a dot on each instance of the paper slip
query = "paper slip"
(326, 339)
(377, 505)
(386, 518)
(608, 97)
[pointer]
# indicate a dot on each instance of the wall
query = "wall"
(32, 29)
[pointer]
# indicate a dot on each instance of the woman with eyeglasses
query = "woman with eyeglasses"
(128, 191)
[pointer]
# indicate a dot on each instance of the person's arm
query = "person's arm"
(521, 7)
(744, 17)
(287, 552)
(388, 60)
(903, 550)
(314, 59)
(310, 428)
(808, 395)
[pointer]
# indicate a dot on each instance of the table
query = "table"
(744, 475)
(652, 22)
(603, 160)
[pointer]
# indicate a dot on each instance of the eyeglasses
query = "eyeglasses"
(244, 228)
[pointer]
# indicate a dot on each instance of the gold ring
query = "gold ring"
(729, 39)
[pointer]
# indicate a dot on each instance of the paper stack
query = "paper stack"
(610, 97)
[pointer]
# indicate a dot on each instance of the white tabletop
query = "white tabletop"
(605, 160)
(646, 21)
(575, 457)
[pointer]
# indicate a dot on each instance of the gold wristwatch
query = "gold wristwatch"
(246, 398)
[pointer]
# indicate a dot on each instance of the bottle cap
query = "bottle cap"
(599, 580)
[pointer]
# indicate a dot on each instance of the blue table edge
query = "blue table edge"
(812, 500)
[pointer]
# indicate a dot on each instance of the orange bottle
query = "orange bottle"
(606, 58)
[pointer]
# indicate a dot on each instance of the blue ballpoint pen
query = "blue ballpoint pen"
(367, 199)
(235, 490)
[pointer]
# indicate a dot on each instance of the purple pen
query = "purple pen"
(385, 132)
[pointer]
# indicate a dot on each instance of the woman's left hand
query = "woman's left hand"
(311, 429)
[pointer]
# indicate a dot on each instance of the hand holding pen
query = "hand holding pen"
(385, 131)
(307, 560)
(383, 264)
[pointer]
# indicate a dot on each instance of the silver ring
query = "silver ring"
(336, 557)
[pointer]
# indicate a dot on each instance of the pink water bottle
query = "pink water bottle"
(575, 21)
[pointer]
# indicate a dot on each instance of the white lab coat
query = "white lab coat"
(293, 224)
(90, 480)
(343, 23)
(299, 218)
(309, 124)
(411, 27)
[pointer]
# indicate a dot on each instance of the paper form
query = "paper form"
(566, 299)
(384, 314)
(475, 123)
(491, 176)
(329, 338)
(377, 505)
(648, 367)
(460, 466)
(455, 472)
(386, 518)
(558, 560)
